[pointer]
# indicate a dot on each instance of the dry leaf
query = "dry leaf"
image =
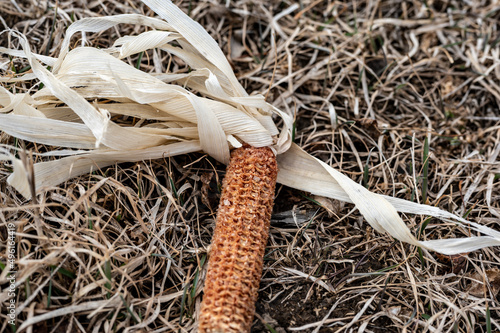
(479, 289)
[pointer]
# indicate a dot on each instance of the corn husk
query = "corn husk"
(221, 116)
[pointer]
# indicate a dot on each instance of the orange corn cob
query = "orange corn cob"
(239, 241)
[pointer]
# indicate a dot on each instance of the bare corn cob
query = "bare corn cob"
(239, 241)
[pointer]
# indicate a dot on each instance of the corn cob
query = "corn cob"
(239, 241)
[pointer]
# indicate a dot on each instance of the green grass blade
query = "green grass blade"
(197, 276)
(139, 60)
(129, 310)
(49, 293)
(488, 319)
(425, 180)
(183, 303)
(107, 274)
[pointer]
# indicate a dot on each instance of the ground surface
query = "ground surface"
(368, 82)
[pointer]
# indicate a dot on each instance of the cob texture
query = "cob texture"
(240, 237)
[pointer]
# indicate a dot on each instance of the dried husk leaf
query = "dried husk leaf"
(300, 170)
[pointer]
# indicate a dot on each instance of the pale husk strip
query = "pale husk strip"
(51, 173)
(194, 33)
(129, 45)
(116, 80)
(47, 131)
(97, 121)
(300, 170)
(18, 104)
(18, 178)
(228, 113)
(104, 23)
(21, 54)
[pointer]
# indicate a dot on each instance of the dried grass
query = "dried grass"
(416, 72)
